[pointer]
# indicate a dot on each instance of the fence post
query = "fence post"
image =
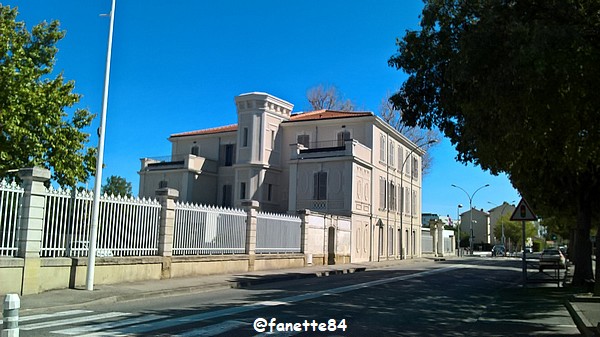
(304, 214)
(166, 196)
(33, 206)
(251, 207)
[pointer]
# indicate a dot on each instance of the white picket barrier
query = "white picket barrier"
(277, 233)
(127, 226)
(10, 197)
(208, 230)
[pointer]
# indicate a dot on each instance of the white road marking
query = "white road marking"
(213, 330)
(109, 325)
(50, 324)
(56, 314)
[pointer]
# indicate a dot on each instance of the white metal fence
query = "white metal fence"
(205, 230)
(126, 226)
(277, 233)
(130, 226)
(10, 197)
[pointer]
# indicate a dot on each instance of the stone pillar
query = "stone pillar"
(433, 233)
(251, 207)
(31, 226)
(304, 214)
(440, 232)
(166, 196)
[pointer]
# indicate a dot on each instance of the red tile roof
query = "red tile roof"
(219, 129)
(305, 116)
(327, 114)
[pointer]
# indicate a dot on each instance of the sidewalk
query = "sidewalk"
(584, 309)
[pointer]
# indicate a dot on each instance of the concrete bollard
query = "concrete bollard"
(10, 312)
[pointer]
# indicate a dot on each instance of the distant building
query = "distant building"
(335, 162)
(426, 217)
(481, 232)
(495, 214)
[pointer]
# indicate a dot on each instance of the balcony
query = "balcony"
(331, 148)
(188, 162)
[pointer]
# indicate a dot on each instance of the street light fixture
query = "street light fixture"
(470, 196)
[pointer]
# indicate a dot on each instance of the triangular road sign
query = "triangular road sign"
(523, 212)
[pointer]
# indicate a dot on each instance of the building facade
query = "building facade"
(497, 216)
(342, 163)
(480, 229)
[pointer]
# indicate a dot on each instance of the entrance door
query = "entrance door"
(331, 246)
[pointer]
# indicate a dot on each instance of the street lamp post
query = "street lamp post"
(89, 283)
(402, 191)
(458, 225)
(470, 196)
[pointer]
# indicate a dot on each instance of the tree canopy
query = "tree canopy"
(513, 85)
(35, 128)
(116, 185)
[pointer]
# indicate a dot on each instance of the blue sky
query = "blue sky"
(177, 65)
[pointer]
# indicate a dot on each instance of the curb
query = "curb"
(583, 325)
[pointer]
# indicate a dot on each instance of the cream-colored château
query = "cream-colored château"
(351, 164)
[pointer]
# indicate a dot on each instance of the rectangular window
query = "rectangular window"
(382, 152)
(415, 167)
(382, 193)
(195, 150)
(229, 155)
(272, 133)
(304, 140)
(342, 137)
(392, 161)
(392, 196)
(320, 186)
(242, 191)
(245, 137)
(407, 164)
(407, 200)
(400, 158)
(269, 192)
(227, 194)
(414, 203)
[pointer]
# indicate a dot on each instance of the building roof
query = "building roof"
(305, 116)
(327, 114)
(219, 129)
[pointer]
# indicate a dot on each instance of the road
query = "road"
(470, 297)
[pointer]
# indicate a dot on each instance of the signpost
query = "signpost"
(523, 213)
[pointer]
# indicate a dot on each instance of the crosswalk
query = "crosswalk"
(87, 323)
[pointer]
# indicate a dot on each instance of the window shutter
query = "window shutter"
(322, 185)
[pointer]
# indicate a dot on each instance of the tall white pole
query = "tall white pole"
(89, 283)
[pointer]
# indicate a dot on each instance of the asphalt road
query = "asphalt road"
(475, 297)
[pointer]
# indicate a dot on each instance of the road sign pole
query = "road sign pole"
(524, 257)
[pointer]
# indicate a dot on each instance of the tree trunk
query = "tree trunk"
(583, 246)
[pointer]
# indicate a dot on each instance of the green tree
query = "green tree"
(513, 230)
(117, 185)
(34, 125)
(513, 84)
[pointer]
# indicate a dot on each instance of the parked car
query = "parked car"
(552, 258)
(498, 250)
